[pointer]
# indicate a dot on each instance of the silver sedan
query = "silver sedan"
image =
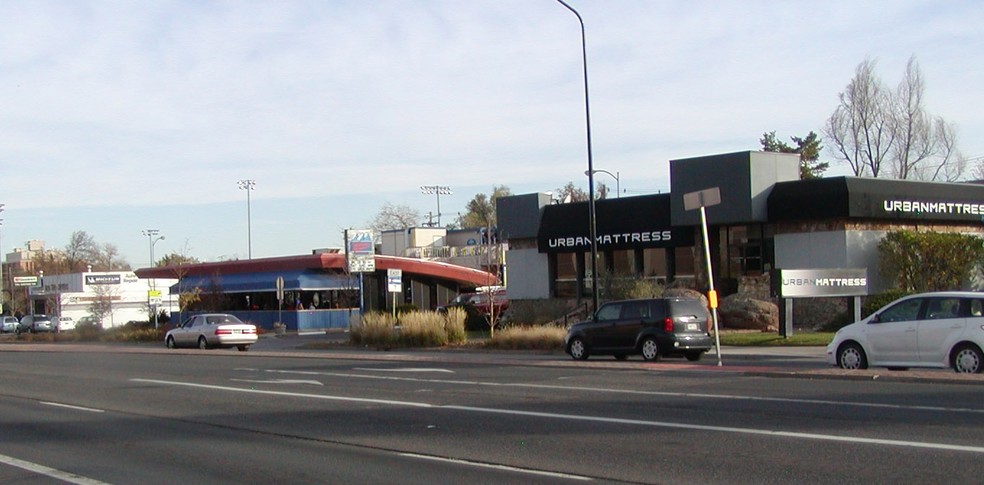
(212, 330)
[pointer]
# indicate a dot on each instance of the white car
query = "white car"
(63, 324)
(8, 324)
(212, 330)
(942, 329)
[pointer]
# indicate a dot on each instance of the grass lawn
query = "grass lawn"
(755, 339)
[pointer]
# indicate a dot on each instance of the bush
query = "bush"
(541, 337)
(454, 325)
(873, 303)
(375, 328)
(423, 329)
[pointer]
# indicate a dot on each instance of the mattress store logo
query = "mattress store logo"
(919, 208)
(629, 237)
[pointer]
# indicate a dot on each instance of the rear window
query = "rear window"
(687, 307)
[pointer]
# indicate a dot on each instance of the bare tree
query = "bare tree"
(80, 251)
(571, 193)
(392, 217)
(879, 132)
(109, 259)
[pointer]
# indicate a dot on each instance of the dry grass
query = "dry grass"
(542, 337)
(422, 329)
(376, 328)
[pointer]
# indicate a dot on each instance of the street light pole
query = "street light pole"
(248, 185)
(439, 190)
(1, 264)
(592, 222)
(618, 188)
(152, 238)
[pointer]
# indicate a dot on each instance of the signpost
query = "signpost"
(394, 283)
(701, 199)
(280, 301)
(360, 253)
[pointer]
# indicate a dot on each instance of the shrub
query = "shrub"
(874, 302)
(376, 328)
(422, 329)
(541, 337)
(454, 325)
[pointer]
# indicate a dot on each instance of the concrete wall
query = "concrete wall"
(531, 280)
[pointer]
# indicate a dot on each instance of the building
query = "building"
(316, 292)
(118, 297)
(767, 219)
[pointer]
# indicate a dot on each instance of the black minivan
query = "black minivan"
(654, 327)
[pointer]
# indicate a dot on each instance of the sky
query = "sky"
(120, 116)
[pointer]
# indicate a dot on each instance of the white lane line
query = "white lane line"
(69, 406)
(49, 472)
(284, 393)
(281, 381)
(406, 369)
(596, 419)
(689, 395)
(498, 467)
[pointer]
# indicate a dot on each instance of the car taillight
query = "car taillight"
(249, 330)
(223, 331)
(668, 325)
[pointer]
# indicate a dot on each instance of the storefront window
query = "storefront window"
(684, 262)
(566, 282)
(623, 262)
(654, 262)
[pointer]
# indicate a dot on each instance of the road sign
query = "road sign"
(394, 280)
(154, 297)
(280, 288)
(26, 281)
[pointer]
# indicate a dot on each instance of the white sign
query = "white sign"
(394, 280)
(360, 250)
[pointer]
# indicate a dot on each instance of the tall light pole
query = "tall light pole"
(618, 189)
(152, 238)
(248, 185)
(592, 223)
(1, 263)
(439, 190)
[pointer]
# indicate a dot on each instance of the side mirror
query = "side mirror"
(876, 318)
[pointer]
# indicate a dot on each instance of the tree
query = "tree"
(480, 211)
(176, 259)
(930, 261)
(880, 132)
(392, 217)
(102, 303)
(80, 251)
(571, 193)
(109, 259)
(807, 148)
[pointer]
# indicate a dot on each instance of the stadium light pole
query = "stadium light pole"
(248, 185)
(592, 222)
(439, 190)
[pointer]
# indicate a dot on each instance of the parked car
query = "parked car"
(8, 324)
(34, 324)
(654, 327)
(940, 329)
(63, 324)
(212, 330)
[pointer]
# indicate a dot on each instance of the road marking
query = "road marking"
(405, 369)
(49, 472)
(595, 419)
(688, 395)
(498, 467)
(69, 406)
(280, 381)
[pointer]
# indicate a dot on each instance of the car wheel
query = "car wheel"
(202, 343)
(851, 356)
(693, 356)
(578, 349)
(650, 349)
(242, 348)
(170, 342)
(967, 359)
(621, 357)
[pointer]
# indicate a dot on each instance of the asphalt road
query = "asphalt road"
(95, 414)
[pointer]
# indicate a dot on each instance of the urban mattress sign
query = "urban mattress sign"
(919, 208)
(609, 239)
(793, 283)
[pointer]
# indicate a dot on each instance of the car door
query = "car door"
(892, 336)
(187, 334)
(602, 332)
(941, 325)
(632, 317)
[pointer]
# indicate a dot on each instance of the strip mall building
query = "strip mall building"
(767, 219)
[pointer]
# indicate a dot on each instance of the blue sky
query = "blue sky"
(121, 116)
